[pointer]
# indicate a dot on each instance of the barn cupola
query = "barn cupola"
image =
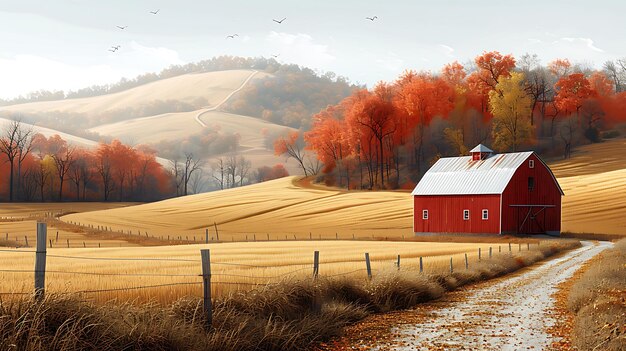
(480, 152)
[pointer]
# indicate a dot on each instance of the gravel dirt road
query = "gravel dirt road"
(510, 313)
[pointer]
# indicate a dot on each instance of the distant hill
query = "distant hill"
(212, 108)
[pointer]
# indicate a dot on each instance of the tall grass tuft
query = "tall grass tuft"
(598, 301)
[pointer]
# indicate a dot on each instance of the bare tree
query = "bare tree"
(15, 143)
(220, 172)
(103, 167)
(63, 161)
(244, 168)
(191, 166)
(198, 181)
(616, 71)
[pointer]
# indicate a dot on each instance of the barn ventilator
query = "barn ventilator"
(531, 216)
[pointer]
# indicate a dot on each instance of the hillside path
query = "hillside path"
(513, 313)
(213, 108)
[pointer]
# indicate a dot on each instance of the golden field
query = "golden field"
(594, 202)
(234, 265)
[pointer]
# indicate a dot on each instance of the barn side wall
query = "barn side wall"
(545, 192)
(445, 214)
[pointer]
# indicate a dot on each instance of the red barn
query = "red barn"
(512, 193)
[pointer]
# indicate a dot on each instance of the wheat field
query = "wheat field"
(235, 266)
(594, 182)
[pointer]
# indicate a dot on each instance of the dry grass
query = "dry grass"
(292, 315)
(235, 266)
(598, 300)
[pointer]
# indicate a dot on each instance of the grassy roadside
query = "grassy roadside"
(291, 315)
(598, 301)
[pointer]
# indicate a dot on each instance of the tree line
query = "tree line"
(387, 137)
(36, 168)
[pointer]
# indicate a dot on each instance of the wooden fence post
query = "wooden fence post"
(490, 252)
(519, 249)
(26, 240)
(68, 243)
(398, 263)
(57, 238)
(528, 246)
(217, 233)
(509, 247)
(206, 282)
(466, 263)
(421, 265)
(310, 236)
(499, 248)
(316, 264)
(479, 254)
(40, 260)
(268, 237)
(84, 245)
(451, 268)
(50, 243)
(206, 236)
(368, 265)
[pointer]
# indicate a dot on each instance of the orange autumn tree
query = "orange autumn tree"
(328, 138)
(421, 99)
(291, 145)
(370, 120)
(490, 67)
(573, 90)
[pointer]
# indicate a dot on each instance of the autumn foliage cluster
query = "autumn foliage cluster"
(388, 136)
(36, 168)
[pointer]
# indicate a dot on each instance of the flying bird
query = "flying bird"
(279, 22)
(155, 12)
(122, 27)
(113, 50)
(275, 56)
(371, 18)
(116, 47)
(232, 36)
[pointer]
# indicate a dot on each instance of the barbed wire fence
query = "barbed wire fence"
(205, 277)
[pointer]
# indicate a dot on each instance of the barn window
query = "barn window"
(531, 183)
(531, 163)
(466, 215)
(485, 214)
(424, 214)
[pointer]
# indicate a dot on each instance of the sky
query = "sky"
(64, 44)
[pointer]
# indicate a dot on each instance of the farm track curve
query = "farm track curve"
(214, 108)
(510, 313)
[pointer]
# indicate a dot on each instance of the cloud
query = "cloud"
(150, 56)
(22, 74)
(391, 62)
(300, 48)
(449, 51)
(26, 73)
(587, 41)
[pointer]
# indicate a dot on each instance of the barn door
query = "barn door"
(531, 219)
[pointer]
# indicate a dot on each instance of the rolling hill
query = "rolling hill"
(212, 86)
(594, 202)
(216, 88)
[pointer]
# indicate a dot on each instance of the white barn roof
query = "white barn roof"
(462, 176)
